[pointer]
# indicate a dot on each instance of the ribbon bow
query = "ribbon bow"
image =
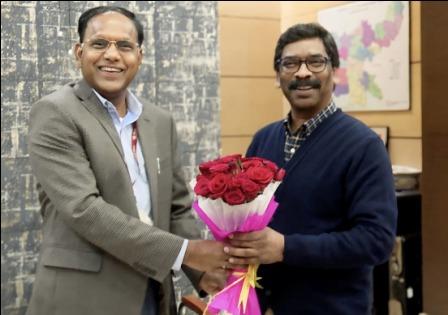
(250, 280)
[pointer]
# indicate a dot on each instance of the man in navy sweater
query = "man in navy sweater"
(337, 214)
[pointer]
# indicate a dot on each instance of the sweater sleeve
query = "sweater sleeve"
(371, 214)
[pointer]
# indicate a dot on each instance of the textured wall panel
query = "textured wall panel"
(187, 74)
(179, 73)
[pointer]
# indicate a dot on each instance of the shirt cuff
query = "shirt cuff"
(180, 258)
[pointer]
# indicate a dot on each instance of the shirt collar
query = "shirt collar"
(309, 125)
(135, 108)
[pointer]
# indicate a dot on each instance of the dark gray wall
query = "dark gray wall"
(179, 73)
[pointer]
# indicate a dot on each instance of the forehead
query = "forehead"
(304, 48)
(111, 25)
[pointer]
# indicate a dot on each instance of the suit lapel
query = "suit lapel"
(94, 106)
(146, 134)
(148, 141)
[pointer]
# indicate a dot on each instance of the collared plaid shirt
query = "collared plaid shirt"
(294, 140)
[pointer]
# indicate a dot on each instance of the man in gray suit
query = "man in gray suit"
(115, 207)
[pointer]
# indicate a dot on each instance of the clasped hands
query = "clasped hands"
(260, 247)
(239, 250)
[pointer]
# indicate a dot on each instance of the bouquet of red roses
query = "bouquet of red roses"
(235, 194)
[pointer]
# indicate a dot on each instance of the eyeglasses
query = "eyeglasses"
(101, 45)
(292, 64)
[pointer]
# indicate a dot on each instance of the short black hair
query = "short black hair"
(89, 14)
(306, 31)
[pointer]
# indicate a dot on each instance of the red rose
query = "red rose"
(235, 179)
(270, 165)
(219, 168)
(249, 186)
(235, 183)
(204, 168)
(230, 158)
(201, 187)
(234, 197)
(218, 185)
(280, 174)
(250, 162)
(260, 175)
(200, 177)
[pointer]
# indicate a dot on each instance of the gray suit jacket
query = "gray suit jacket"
(96, 254)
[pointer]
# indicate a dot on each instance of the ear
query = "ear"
(140, 56)
(77, 52)
(335, 79)
(277, 80)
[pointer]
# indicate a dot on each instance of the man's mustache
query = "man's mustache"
(315, 84)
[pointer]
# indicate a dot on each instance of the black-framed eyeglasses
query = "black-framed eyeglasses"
(292, 64)
(101, 45)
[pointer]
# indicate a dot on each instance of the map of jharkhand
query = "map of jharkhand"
(360, 46)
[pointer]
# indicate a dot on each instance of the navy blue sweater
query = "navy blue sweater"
(338, 214)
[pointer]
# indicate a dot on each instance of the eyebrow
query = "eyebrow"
(101, 36)
(309, 56)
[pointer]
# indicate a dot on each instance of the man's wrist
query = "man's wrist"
(180, 257)
(190, 253)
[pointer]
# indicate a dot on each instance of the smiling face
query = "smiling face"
(307, 92)
(109, 71)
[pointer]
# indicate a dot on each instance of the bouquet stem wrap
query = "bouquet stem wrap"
(239, 296)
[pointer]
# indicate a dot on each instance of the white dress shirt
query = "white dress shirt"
(136, 167)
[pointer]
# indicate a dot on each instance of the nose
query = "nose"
(111, 51)
(303, 71)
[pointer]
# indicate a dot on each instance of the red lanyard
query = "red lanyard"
(134, 139)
